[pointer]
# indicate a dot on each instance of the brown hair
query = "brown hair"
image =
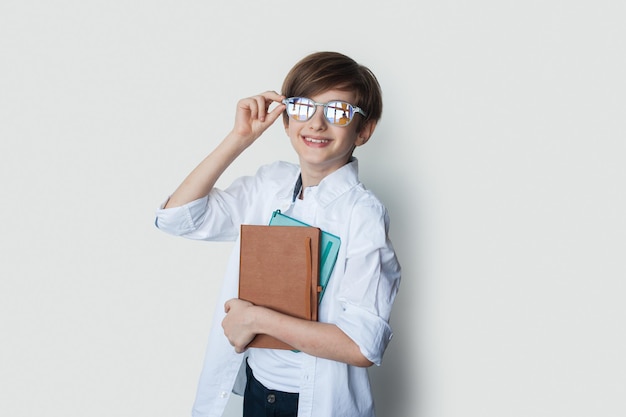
(323, 71)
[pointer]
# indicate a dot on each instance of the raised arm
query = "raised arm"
(251, 120)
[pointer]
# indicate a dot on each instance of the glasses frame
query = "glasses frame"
(316, 104)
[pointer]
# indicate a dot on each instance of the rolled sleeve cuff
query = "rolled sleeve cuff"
(371, 333)
(181, 220)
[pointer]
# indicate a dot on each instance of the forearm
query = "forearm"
(324, 340)
(251, 120)
(203, 178)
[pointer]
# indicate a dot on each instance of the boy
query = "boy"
(330, 105)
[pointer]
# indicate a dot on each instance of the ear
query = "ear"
(365, 133)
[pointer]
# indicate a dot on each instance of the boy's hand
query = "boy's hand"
(253, 116)
(238, 323)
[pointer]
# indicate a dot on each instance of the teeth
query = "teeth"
(316, 140)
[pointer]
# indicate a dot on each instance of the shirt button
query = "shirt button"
(271, 398)
(223, 394)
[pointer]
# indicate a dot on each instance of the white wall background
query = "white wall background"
(500, 157)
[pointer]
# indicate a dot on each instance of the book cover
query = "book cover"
(279, 269)
(329, 247)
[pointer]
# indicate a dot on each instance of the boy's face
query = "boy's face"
(321, 146)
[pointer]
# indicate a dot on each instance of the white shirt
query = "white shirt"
(358, 298)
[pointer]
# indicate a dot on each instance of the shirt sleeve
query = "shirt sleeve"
(370, 283)
(181, 220)
(217, 216)
(201, 219)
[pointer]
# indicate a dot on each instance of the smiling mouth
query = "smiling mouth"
(312, 140)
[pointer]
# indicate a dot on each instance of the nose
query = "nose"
(318, 120)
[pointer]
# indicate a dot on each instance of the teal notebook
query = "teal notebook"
(329, 246)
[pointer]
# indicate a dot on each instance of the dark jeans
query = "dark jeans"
(259, 401)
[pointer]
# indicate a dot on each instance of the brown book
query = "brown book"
(279, 269)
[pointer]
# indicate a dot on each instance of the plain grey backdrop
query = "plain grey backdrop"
(500, 157)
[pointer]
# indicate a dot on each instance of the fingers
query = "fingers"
(233, 331)
(258, 106)
(238, 347)
(236, 324)
(253, 115)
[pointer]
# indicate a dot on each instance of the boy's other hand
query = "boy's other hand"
(238, 323)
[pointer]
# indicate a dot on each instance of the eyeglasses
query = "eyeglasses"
(338, 113)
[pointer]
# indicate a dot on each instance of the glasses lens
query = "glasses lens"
(339, 113)
(300, 108)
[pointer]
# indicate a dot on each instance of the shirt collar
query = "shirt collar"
(334, 185)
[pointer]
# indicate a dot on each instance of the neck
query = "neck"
(313, 175)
